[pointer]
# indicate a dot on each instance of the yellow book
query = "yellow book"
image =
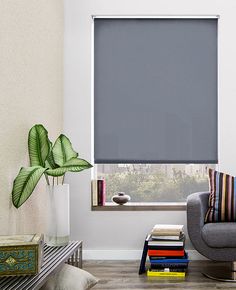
(165, 274)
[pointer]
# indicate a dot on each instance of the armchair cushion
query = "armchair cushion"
(222, 198)
(220, 235)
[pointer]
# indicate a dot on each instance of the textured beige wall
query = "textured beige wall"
(31, 90)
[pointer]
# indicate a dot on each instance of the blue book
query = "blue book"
(169, 265)
(142, 267)
(172, 260)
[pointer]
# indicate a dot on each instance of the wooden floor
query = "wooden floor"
(123, 275)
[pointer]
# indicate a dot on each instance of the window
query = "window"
(154, 182)
(155, 104)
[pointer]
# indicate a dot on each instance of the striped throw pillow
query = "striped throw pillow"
(222, 198)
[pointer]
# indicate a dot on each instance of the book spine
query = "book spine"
(103, 192)
(163, 253)
(94, 192)
(99, 192)
(166, 233)
(169, 265)
(167, 238)
(164, 247)
(166, 243)
(164, 261)
(142, 268)
(165, 274)
(170, 259)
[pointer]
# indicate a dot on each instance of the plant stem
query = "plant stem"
(53, 181)
(47, 179)
(63, 178)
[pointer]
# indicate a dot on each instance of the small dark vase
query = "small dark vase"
(120, 198)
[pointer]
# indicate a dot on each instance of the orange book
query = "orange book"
(166, 253)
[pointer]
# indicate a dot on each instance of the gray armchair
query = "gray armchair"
(216, 241)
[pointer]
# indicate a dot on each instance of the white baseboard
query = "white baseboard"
(127, 255)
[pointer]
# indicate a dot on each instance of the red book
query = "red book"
(101, 191)
(166, 253)
(104, 192)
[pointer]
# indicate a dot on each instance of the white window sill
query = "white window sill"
(142, 206)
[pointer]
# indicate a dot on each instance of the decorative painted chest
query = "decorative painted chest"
(21, 255)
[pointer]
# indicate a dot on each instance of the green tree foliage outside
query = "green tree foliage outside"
(156, 187)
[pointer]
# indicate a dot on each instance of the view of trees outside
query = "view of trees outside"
(154, 182)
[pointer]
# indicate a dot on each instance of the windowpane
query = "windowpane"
(154, 182)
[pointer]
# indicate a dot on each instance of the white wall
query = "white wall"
(126, 230)
(31, 91)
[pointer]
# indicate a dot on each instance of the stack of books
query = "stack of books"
(165, 248)
(98, 192)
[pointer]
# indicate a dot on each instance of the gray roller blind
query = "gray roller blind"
(155, 90)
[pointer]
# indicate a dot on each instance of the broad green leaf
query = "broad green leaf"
(77, 163)
(39, 145)
(72, 165)
(56, 172)
(25, 183)
(50, 162)
(62, 150)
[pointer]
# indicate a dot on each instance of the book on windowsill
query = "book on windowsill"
(98, 187)
(94, 192)
(101, 191)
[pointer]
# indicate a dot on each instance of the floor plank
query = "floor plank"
(120, 275)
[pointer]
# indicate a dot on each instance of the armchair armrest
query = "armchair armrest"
(197, 205)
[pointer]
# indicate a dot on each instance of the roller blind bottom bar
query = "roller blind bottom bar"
(158, 16)
(112, 161)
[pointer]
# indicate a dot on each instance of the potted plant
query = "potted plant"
(53, 161)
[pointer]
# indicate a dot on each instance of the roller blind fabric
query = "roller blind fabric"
(155, 90)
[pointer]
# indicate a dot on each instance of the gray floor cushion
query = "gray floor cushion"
(70, 278)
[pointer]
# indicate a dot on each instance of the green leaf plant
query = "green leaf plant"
(45, 159)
